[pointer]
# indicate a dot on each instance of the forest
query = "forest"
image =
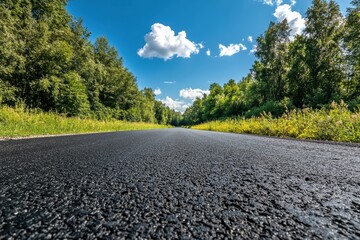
(47, 62)
(308, 71)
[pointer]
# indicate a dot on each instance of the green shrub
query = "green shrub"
(335, 123)
(18, 121)
(276, 109)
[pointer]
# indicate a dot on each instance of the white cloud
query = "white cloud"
(179, 106)
(170, 82)
(272, 2)
(201, 46)
(295, 20)
(254, 49)
(268, 2)
(208, 52)
(250, 39)
(192, 94)
(162, 42)
(157, 91)
(292, 2)
(231, 49)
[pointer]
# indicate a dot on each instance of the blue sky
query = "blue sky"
(165, 43)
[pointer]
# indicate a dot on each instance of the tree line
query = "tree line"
(305, 71)
(48, 62)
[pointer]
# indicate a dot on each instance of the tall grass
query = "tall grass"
(336, 123)
(18, 122)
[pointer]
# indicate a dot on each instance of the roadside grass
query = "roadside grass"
(337, 123)
(18, 122)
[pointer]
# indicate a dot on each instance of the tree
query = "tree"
(117, 88)
(352, 40)
(324, 54)
(12, 62)
(47, 61)
(148, 105)
(271, 68)
(72, 98)
(213, 103)
(298, 74)
(160, 113)
(195, 113)
(232, 103)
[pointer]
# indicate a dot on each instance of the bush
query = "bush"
(336, 123)
(354, 105)
(7, 94)
(276, 109)
(21, 122)
(72, 98)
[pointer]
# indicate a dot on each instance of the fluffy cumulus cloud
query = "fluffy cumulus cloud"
(162, 42)
(192, 94)
(250, 39)
(208, 52)
(284, 11)
(157, 91)
(295, 20)
(179, 106)
(231, 49)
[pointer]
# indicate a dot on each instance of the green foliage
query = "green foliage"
(324, 54)
(48, 62)
(72, 98)
(352, 42)
(19, 122)
(275, 109)
(298, 72)
(7, 94)
(354, 105)
(272, 67)
(334, 124)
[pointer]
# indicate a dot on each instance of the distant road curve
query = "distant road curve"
(178, 183)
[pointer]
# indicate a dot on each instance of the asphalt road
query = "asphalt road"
(178, 183)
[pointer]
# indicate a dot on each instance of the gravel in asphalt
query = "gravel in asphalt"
(178, 183)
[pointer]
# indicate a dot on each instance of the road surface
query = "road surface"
(178, 183)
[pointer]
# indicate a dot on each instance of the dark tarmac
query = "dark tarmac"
(178, 183)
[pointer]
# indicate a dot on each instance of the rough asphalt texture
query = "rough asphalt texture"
(178, 183)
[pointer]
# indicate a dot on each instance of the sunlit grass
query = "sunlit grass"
(18, 122)
(337, 123)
